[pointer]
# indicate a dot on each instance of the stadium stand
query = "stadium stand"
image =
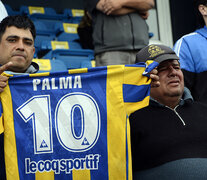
(67, 32)
(41, 13)
(57, 41)
(10, 11)
(47, 65)
(52, 45)
(74, 15)
(72, 58)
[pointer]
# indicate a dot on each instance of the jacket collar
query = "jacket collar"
(202, 31)
(33, 68)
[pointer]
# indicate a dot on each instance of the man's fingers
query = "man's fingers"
(155, 78)
(3, 84)
(155, 84)
(3, 79)
(5, 67)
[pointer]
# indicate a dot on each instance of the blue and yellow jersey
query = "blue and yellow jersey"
(72, 125)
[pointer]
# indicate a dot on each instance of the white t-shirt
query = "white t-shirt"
(3, 12)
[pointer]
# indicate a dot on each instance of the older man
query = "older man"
(169, 136)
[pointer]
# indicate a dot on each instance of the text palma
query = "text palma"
(57, 83)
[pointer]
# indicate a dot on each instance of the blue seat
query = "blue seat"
(38, 42)
(42, 34)
(67, 32)
(74, 15)
(73, 59)
(43, 28)
(35, 12)
(47, 65)
(46, 46)
(10, 11)
(52, 45)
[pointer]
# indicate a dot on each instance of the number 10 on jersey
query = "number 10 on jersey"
(76, 122)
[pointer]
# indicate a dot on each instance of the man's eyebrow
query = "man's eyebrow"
(176, 64)
(28, 39)
(12, 36)
(17, 37)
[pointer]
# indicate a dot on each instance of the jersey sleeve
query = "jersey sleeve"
(136, 86)
(182, 50)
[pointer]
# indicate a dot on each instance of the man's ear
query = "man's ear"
(202, 9)
(33, 51)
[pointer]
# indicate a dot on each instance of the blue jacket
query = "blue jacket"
(192, 50)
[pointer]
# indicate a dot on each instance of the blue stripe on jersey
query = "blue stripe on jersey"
(130, 90)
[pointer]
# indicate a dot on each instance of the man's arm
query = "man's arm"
(111, 6)
(101, 7)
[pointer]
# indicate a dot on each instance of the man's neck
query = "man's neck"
(171, 102)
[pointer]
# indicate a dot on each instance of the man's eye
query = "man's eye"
(177, 67)
(29, 43)
(161, 69)
(12, 40)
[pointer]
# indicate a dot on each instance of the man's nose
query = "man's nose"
(172, 71)
(20, 45)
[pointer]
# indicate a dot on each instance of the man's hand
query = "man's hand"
(155, 78)
(144, 14)
(3, 79)
(112, 5)
(99, 5)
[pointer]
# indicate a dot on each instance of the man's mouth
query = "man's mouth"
(19, 55)
(174, 82)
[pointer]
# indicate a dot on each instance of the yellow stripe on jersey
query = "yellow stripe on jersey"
(74, 71)
(129, 150)
(131, 107)
(1, 125)
(39, 74)
(133, 76)
(9, 137)
(81, 175)
(116, 125)
(44, 175)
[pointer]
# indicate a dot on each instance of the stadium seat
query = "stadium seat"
(67, 32)
(43, 34)
(72, 58)
(46, 46)
(35, 12)
(10, 11)
(52, 45)
(47, 65)
(74, 15)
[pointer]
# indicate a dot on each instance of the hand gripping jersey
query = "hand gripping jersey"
(72, 125)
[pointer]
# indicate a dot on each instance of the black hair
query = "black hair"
(200, 20)
(19, 21)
